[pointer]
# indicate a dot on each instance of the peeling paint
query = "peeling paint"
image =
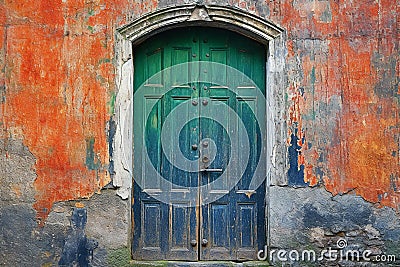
(66, 110)
(355, 65)
(296, 168)
(92, 161)
(58, 78)
(59, 89)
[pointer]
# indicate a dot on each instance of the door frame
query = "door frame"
(132, 34)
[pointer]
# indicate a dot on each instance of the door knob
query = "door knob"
(204, 242)
(193, 242)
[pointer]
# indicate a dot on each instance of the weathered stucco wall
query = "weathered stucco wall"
(336, 121)
(343, 95)
(58, 82)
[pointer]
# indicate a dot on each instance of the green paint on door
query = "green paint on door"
(206, 110)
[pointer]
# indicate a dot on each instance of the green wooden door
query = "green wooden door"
(198, 145)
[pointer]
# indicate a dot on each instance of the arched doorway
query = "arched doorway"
(204, 89)
(216, 79)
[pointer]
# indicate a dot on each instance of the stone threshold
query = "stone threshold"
(199, 264)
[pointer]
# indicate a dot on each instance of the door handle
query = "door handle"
(211, 170)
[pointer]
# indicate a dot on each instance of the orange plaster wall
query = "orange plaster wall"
(59, 75)
(57, 64)
(361, 68)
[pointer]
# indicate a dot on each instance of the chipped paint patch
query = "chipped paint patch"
(92, 159)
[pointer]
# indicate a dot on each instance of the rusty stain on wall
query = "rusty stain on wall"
(57, 91)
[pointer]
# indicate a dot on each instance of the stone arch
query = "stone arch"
(226, 17)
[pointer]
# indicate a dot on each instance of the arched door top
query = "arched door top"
(226, 17)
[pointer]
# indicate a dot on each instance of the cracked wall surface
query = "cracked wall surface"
(313, 219)
(334, 95)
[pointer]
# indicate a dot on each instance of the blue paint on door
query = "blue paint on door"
(232, 225)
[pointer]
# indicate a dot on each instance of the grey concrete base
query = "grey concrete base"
(198, 264)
